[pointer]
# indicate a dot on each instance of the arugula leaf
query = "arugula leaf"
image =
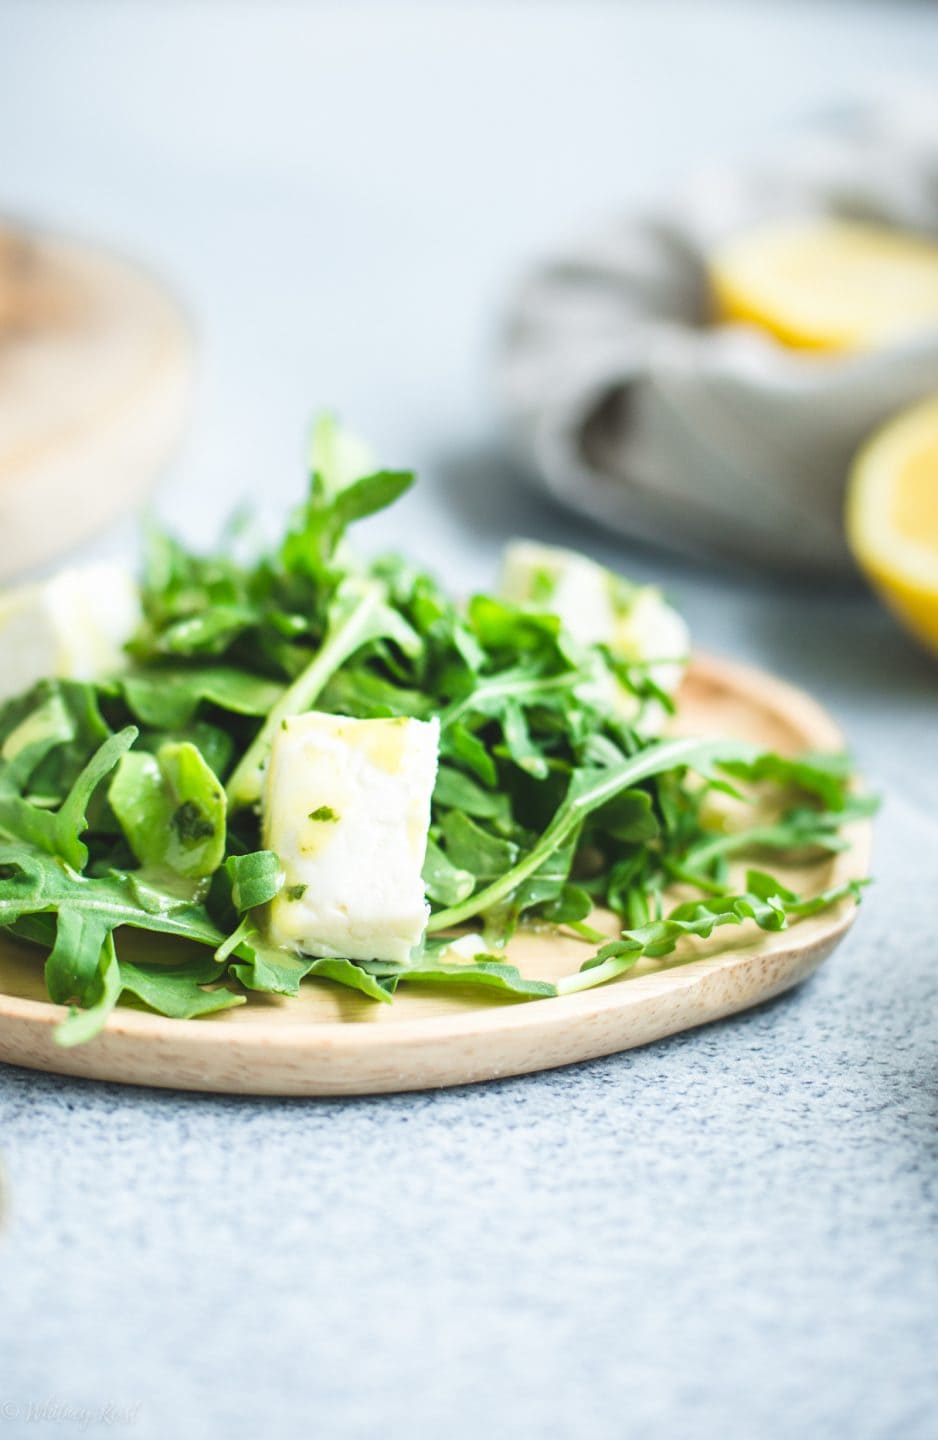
(353, 975)
(827, 776)
(34, 883)
(341, 492)
(177, 991)
(172, 809)
(478, 974)
(169, 699)
(280, 973)
(73, 968)
(215, 744)
(628, 818)
(471, 848)
(542, 891)
(255, 878)
(459, 742)
(765, 901)
(29, 740)
(456, 791)
(81, 1026)
(570, 906)
(268, 969)
(799, 829)
(59, 831)
(443, 880)
(47, 735)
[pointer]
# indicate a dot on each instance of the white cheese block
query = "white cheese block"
(73, 626)
(597, 607)
(346, 807)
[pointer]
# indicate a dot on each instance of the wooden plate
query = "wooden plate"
(328, 1042)
(95, 375)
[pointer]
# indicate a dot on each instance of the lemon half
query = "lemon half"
(892, 517)
(828, 285)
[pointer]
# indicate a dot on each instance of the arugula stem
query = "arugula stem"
(586, 932)
(693, 877)
(636, 907)
(597, 975)
(243, 931)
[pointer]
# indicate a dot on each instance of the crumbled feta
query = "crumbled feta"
(463, 949)
(73, 626)
(346, 807)
(597, 607)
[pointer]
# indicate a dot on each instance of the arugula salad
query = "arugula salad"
(300, 765)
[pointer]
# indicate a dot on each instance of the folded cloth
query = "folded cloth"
(633, 408)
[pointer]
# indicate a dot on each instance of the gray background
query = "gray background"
(731, 1234)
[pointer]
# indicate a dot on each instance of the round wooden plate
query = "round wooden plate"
(329, 1042)
(95, 376)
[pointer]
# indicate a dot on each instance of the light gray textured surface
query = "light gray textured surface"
(726, 1236)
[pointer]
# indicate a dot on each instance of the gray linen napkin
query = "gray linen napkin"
(716, 439)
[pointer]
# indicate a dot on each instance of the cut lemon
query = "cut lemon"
(892, 517)
(828, 285)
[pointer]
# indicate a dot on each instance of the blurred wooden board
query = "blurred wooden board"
(330, 1042)
(95, 377)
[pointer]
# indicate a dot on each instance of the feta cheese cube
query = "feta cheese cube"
(73, 626)
(597, 607)
(565, 583)
(346, 807)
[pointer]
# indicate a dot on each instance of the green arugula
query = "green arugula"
(171, 807)
(132, 805)
(770, 905)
